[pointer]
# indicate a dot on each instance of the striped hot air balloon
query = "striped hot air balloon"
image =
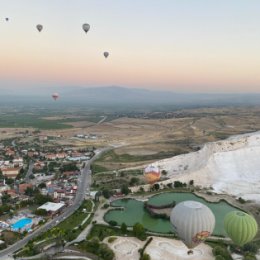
(193, 222)
(240, 227)
(152, 174)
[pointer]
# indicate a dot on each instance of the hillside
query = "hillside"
(230, 166)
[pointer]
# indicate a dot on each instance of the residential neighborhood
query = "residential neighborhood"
(36, 184)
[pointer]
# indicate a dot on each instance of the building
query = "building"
(52, 208)
(11, 172)
(22, 187)
(18, 162)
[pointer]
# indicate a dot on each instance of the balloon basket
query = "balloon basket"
(189, 252)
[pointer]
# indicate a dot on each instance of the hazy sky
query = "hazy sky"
(180, 45)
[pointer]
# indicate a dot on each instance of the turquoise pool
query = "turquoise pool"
(22, 223)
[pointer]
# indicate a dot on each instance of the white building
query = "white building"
(52, 207)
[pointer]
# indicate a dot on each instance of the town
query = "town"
(37, 182)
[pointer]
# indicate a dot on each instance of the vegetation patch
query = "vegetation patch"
(94, 246)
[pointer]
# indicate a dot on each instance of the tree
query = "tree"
(41, 199)
(41, 212)
(123, 228)
(164, 172)
(169, 185)
(178, 184)
(250, 247)
(4, 208)
(219, 257)
(107, 193)
(145, 257)
(134, 181)
(69, 167)
(42, 185)
(20, 174)
(249, 257)
(93, 244)
(58, 234)
(124, 189)
(112, 223)
(105, 252)
(6, 198)
(156, 186)
(139, 231)
(9, 181)
(221, 251)
(29, 191)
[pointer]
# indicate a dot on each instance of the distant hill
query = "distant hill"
(114, 95)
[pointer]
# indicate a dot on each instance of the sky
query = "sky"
(178, 45)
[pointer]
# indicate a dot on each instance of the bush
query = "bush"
(241, 200)
(123, 228)
(219, 257)
(221, 251)
(145, 257)
(250, 247)
(124, 189)
(139, 231)
(105, 206)
(250, 257)
(97, 248)
(112, 239)
(112, 223)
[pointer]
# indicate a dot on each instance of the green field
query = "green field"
(30, 120)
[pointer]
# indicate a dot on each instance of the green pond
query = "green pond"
(134, 212)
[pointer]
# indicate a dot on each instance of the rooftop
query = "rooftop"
(50, 206)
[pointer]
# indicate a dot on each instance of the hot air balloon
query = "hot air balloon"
(193, 222)
(152, 174)
(240, 227)
(106, 54)
(55, 96)
(7, 19)
(39, 27)
(86, 27)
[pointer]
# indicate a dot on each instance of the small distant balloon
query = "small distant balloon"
(86, 27)
(7, 19)
(39, 27)
(152, 174)
(55, 96)
(106, 54)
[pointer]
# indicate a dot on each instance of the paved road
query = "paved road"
(83, 186)
(29, 172)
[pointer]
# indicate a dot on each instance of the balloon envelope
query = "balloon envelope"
(39, 27)
(152, 174)
(106, 54)
(55, 96)
(240, 227)
(192, 221)
(86, 27)
(7, 19)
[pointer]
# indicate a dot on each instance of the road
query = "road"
(84, 184)
(104, 118)
(29, 172)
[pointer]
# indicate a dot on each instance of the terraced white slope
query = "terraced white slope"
(230, 166)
